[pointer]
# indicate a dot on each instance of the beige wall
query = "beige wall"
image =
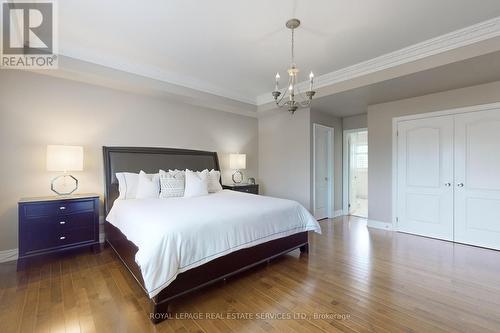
(284, 155)
(36, 110)
(380, 136)
(355, 122)
(335, 122)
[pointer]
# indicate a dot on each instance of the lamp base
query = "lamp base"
(237, 177)
(53, 185)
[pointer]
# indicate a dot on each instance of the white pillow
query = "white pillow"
(171, 184)
(214, 181)
(196, 183)
(127, 184)
(148, 186)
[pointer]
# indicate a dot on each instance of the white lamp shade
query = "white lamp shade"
(64, 158)
(238, 161)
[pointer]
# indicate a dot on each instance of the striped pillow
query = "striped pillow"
(172, 184)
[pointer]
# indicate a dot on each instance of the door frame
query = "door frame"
(345, 167)
(396, 120)
(330, 157)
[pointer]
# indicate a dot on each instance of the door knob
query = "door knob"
(460, 184)
(447, 184)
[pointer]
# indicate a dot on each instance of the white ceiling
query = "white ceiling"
(233, 48)
(470, 72)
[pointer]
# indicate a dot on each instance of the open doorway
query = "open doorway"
(356, 172)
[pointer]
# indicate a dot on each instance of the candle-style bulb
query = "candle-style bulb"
(311, 75)
(311, 79)
(277, 82)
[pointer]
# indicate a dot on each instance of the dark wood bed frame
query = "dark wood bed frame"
(134, 159)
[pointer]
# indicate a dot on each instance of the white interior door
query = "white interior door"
(477, 178)
(425, 177)
(323, 165)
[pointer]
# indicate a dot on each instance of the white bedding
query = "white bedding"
(176, 234)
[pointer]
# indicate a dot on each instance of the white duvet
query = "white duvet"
(176, 234)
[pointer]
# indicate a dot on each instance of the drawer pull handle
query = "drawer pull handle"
(62, 222)
(62, 208)
(62, 237)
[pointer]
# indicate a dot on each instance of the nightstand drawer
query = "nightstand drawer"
(55, 209)
(62, 222)
(40, 239)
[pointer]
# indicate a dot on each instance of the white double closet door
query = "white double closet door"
(449, 178)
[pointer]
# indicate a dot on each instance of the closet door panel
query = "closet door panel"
(477, 178)
(425, 176)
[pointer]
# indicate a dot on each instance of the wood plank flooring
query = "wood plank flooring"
(354, 279)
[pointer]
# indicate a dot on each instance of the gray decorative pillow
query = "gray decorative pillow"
(172, 184)
(214, 181)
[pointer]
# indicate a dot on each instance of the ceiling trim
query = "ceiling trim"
(153, 72)
(459, 38)
(92, 73)
(463, 37)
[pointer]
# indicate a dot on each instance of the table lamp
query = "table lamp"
(64, 159)
(237, 162)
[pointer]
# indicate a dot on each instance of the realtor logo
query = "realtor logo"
(28, 35)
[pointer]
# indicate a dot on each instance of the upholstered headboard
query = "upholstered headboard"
(134, 159)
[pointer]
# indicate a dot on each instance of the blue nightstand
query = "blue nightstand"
(53, 224)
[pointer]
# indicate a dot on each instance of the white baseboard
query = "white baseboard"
(380, 225)
(9, 255)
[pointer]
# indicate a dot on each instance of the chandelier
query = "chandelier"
(292, 90)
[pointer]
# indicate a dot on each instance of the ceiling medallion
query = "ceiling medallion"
(291, 90)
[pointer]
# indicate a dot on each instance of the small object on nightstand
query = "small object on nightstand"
(247, 188)
(251, 181)
(57, 223)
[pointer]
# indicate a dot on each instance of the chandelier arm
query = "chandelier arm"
(278, 102)
(305, 103)
(284, 93)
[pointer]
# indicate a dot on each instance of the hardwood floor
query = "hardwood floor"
(355, 279)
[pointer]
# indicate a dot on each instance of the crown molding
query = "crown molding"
(459, 38)
(156, 73)
(95, 74)
(454, 40)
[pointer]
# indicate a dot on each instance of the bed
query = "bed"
(177, 245)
